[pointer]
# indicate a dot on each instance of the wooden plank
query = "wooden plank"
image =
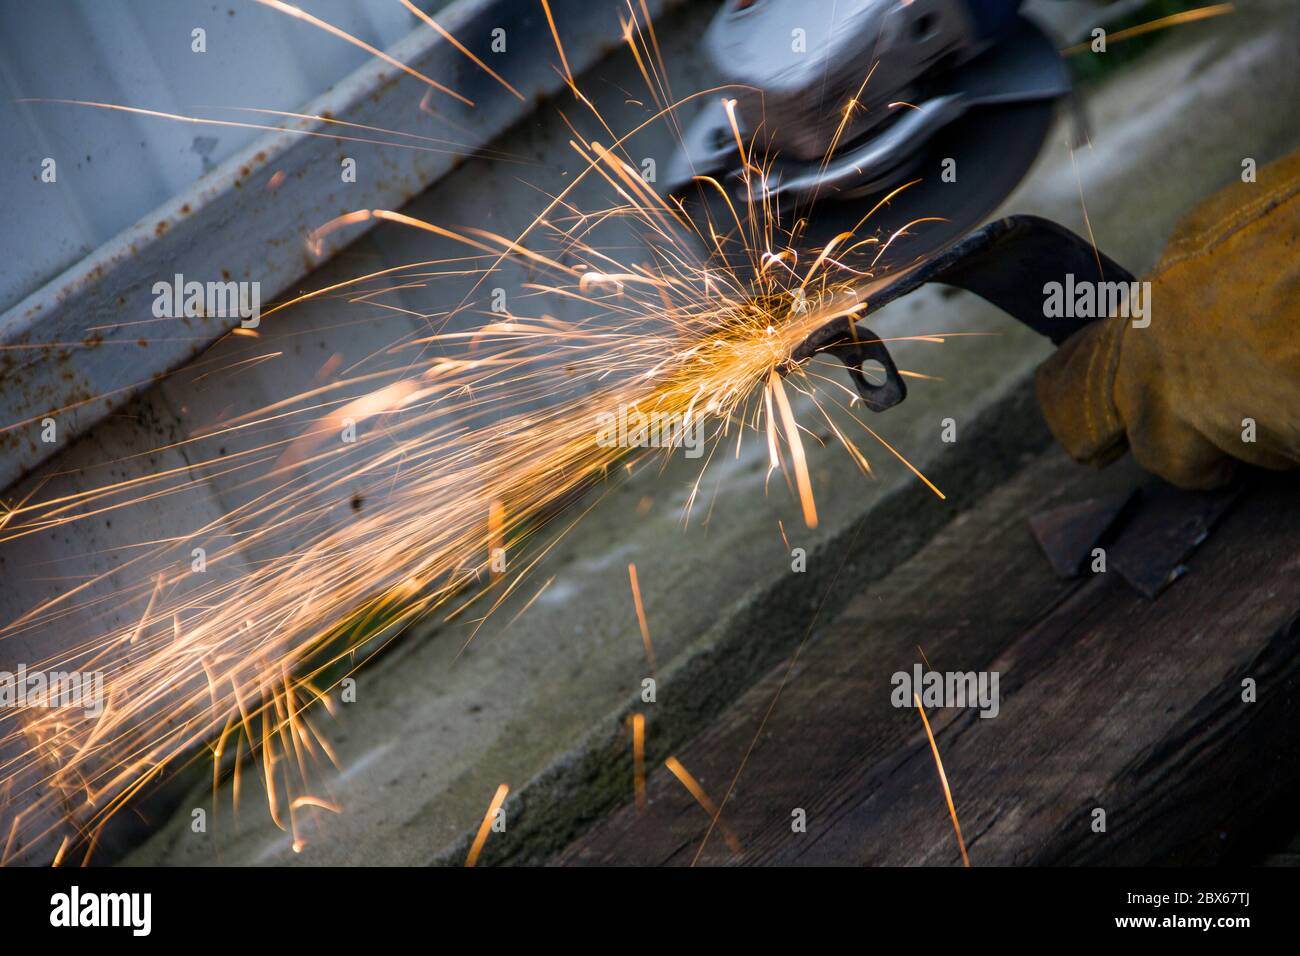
(1107, 701)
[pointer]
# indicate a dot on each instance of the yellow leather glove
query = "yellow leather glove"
(1222, 347)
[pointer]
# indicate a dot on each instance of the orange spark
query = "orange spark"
(496, 537)
(307, 800)
(461, 47)
(943, 778)
(640, 618)
(564, 60)
(796, 449)
(638, 759)
(1187, 16)
(485, 827)
(702, 798)
(301, 14)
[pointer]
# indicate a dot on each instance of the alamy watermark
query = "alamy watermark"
(947, 689)
(24, 688)
(78, 908)
(230, 299)
(633, 428)
(1098, 300)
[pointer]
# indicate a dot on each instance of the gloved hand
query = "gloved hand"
(1222, 346)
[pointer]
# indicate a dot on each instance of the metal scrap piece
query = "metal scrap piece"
(1171, 523)
(1069, 533)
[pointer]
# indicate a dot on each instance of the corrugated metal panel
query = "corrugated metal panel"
(114, 167)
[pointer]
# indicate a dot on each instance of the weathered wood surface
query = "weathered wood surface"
(1107, 700)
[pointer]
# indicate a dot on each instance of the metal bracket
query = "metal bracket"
(856, 346)
(1006, 263)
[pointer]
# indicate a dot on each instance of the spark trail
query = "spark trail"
(468, 442)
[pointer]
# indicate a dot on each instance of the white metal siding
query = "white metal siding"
(115, 167)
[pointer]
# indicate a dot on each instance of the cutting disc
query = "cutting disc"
(1010, 94)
